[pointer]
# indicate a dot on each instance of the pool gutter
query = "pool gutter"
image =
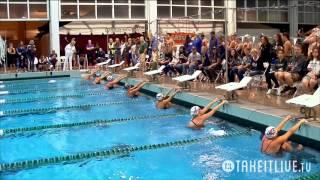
(38, 75)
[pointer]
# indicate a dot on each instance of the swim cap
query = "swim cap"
(194, 110)
(126, 86)
(1, 132)
(270, 132)
(159, 96)
(109, 78)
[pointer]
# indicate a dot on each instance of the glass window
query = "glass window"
(104, 11)
(22, 1)
(18, 11)
(262, 15)
(3, 11)
(68, 1)
(192, 11)
(317, 18)
(137, 1)
(163, 1)
(206, 13)
(179, 2)
(121, 1)
(274, 16)
(273, 3)
(218, 13)
(37, 0)
(137, 12)
(104, 1)
(251, 3)
(86, 1)
(218, 2)
(192, 2)
(283, 2)
(240, 14)
(69, 12)
(240, 3)
(284, 16)
(121, 11)
(38, 10)
(178, 11)
(309, 18)
(205, 2)
(251, 15)
(262, 3)
(301, 18)
(164, 11)
(87, 11)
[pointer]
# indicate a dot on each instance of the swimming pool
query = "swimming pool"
(72, 129)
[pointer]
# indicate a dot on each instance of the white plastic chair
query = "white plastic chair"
(232, 86)
(184, 80)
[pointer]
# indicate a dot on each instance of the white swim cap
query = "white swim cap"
(270, 132)
(194, 110)
(1, 132)
(109, 78)
(159, 96)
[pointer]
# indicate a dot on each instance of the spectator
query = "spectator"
(297, 68)
(265, 50)
(213, 43)
(117, 52)
(197, 43)
(154, 59)
(279, 67)
(287, 45)
(310, 81)
(182, 59)
(69, 50)
(256, 65)
(233, 62)
(100, 56)
(90, 52)
(31, 54)
(21, 56)
(143, 52)
(194, 59)
(43, 64)
(188, 45)
(166, 60)
(111, 48)
(215, 65)
(53, 59)
(11, 54)
(128, 50)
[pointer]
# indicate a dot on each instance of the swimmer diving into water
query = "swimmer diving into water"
(199, 116)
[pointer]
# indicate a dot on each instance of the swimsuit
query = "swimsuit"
(198, 126)
(277, 153)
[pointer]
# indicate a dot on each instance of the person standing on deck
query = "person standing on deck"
(69, 50)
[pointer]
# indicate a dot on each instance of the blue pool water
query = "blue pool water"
(194, 161)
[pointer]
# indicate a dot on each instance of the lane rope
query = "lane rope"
(12, 86)
(32, 99)
(53, 109)
(13, 131)
(313, 176)
(20, 165)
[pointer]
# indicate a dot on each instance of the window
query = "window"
(206, 13)
(164, 11)
(69, 11)
(38, 10)
(262, 15)
(192, 2)
(219, 2)
(163, 1)
(178, 12)
(251, 3)
(273, 3)
(240, 3)
(121, 11)
(121, 1)
(43, 1)
(283, 2)
(205, 2)
(251, 15)
(179, 2)
(137, 12)
(18, 11)
(68, 1)
(3, 11)
(86, 1)
(104, 11)
(218, 13)
(240, 14)
(104, 1)
(87, 12)
(192, 11)
(262, 3)
(137, 1)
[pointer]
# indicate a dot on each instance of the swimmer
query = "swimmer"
(199, 116)
(104, 76)
(96, 72)
(134, 91)
(114, 83)
(274, 144)
(164, 102)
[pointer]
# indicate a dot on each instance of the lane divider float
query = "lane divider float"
(100, 122)
(53, 109)
(20, 165)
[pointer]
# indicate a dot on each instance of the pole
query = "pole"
(5, 50)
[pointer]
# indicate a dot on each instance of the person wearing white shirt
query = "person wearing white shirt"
(192, 64)
(70, 49)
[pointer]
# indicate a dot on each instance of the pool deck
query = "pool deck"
(252, 109)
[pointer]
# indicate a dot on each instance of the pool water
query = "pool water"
(202, 160)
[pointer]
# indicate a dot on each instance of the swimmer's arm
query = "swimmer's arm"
(205, 109)
(169, 92)
(120, 78)
(213, 110)
(170, 97)
(291, 131)
(283, 123)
